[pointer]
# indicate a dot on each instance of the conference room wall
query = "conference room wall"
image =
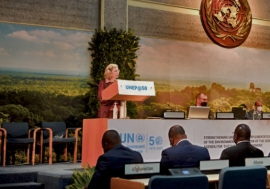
(169, 19)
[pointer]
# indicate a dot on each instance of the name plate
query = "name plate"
(265, 161)
(266, 115)
(174, 115)
(142, 168)
(224, 115)
(213, 164)
(130, 87)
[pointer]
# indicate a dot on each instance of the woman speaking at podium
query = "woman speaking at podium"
(106, 106)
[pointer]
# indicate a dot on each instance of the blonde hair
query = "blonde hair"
(108, 70)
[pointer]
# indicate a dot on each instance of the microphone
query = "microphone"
(169, 106)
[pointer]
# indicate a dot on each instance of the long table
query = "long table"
(150, 137)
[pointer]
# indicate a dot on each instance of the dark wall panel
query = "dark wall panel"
(184, 3)
(176, 26)
(81, 14)
(259, 8)
(115, 13)
(163, 24)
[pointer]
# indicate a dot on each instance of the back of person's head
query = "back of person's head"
(242, 132)
(243, 105)
(110, 139)
(109, 69)
(176, 133)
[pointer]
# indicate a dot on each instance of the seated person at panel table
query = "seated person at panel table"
(201, 100)
(111, 163)
(182, 153)
(243, 149)
(256, 113)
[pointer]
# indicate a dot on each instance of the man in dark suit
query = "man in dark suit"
(243, 149)
(182, 153)
(111, 163)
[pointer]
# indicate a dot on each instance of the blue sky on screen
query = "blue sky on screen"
(44, 49)
(205, 63)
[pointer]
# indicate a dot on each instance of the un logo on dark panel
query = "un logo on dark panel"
(159, 140)
(227, 23)
(140, 137)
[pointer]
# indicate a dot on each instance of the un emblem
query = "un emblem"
(227, 23)
(140, 137)
(159, 140)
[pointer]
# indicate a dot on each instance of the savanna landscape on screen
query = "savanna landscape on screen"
(44, 74)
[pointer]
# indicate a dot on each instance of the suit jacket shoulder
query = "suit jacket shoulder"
(111, 164)
(237, 154)
(184, 154)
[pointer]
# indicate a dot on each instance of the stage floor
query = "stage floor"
(55, 176)
(63, 167)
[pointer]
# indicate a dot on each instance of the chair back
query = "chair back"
(16, 130)
(178, 182)
(58, 129)
(119, 183)
(249, 177)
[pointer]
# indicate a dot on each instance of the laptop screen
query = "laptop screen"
(185, 171)
(196, 112)
(239, 112)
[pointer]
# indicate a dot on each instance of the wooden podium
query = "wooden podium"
(93, 129)
(128, 90)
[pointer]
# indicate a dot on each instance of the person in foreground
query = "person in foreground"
(106, 106)
(111, 163)
(181, 153)
(256, 113)
(243, 149)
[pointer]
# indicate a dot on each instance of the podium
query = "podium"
(93, 129)
(128, 90)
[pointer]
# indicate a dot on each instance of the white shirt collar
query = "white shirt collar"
(243, 141)
(181, 141)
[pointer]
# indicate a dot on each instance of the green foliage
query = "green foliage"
(43, 83)
(113, 46)
(34, 107)
(80, 179)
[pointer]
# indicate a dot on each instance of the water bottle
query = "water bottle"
(115, 111)
(122, 110)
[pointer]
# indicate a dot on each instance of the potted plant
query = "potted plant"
(81, 179)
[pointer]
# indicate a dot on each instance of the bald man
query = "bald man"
(182, 153)
(111, 163)
(256, 113)
(243, 149)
